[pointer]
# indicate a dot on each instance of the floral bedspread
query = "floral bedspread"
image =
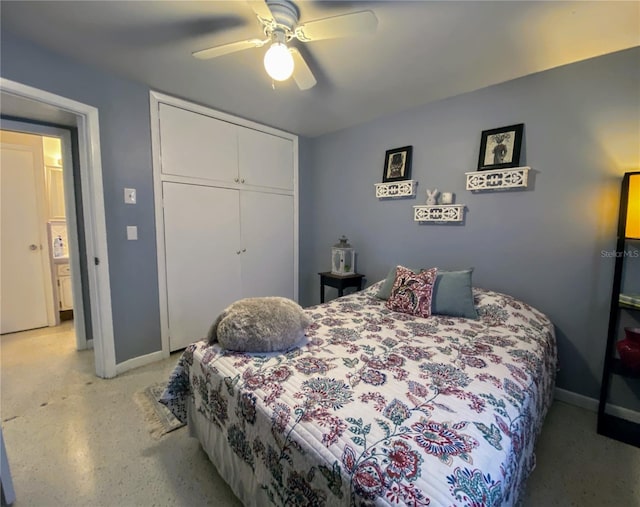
(383, 408)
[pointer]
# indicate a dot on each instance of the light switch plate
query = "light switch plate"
(132, 232)
(130, 195)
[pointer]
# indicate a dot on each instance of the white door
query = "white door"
(265, 160)
(22, 297)
(197, 146)
(202, 248)
(268, 238)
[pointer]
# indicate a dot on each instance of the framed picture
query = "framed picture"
(397, 164)
(500, 148)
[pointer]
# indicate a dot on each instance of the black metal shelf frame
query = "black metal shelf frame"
(609, 425)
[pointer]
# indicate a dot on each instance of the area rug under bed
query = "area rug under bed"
(158, 418)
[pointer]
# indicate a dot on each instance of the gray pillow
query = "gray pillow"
(265, 324)
(452, 293)
(387, 285)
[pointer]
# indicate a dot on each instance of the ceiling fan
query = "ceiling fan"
(279, 20)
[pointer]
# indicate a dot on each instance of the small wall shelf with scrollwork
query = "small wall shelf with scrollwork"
(498, 179)
(439, 213)
(405, 188)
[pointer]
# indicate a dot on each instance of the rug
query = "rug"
(159, 418)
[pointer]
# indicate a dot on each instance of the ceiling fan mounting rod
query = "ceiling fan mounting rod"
(279, 35)
(285, 18)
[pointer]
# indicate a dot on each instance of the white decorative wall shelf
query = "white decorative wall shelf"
(498, 179)
(404, 188)
(439, 213)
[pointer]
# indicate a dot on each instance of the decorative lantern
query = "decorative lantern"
(343, 258)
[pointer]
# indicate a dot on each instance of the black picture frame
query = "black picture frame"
(500, 148)
(397, 164)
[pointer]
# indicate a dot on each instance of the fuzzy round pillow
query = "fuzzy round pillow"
(265, 324)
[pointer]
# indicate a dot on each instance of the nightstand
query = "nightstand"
(339, 282)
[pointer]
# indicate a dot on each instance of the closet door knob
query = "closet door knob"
(242, 180)
(238, 252)
(33, 247)
(236, 180)
(244, 250)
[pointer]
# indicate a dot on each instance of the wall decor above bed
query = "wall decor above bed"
(396, 177)
(498, 179)
(500, 148)
(397, 164)
(394, 189)
(439, 213)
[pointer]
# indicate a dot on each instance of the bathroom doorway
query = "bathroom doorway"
(38, 278)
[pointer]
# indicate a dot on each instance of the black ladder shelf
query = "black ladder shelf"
(614, 426)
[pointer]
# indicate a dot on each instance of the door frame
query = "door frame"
(91, 187)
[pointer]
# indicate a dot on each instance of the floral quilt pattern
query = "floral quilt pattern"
(383, 408)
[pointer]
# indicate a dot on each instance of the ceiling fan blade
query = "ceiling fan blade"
(261, 9)
(302, 74)
(334, 27)
(225, 49)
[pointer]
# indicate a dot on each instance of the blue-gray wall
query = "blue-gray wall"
(125, 138)
(543, 245)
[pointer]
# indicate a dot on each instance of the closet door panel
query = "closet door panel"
(198, 146)
(268, 237)
(202, 238)
(265, 160)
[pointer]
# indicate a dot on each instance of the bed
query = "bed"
(377, 407)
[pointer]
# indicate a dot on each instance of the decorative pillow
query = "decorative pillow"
(387, 285)
(264, 324)
(452, 293)
(411, 292)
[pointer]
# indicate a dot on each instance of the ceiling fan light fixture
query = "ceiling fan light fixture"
(278, 62)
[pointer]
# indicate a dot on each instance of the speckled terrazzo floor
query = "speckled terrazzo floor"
(76, 440)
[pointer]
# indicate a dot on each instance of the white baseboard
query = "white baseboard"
(592, 404)
(90, 344)
(576, 399)
(136, 362)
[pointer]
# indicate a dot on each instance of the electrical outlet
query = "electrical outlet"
(130, 195)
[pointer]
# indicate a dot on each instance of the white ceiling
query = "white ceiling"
(422, 51)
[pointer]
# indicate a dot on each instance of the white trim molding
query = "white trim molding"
(87, 122)
(591, 404)
(139, 361)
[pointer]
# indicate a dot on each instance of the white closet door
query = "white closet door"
(265, 160)
(196, 145)
(201, 226)
(267, 235)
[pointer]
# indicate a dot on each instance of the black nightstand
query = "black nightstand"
(339, 282)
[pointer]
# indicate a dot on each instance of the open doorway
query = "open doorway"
(43, 110)
(42, 276)
(41, 255)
